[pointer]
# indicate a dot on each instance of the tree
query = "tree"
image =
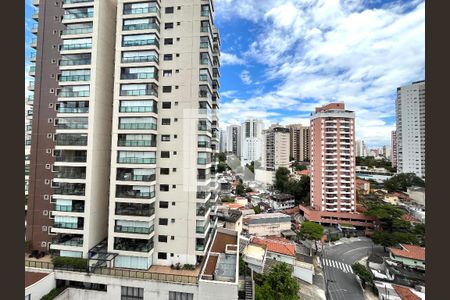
(386, 214)
(363, 273)
(248, 190)
(222, 157)
(278, 284)
(311, 231)
(281, 179)
(221, 167)
(240, 189)
(400, 182)
(300, 168)
(257, 209)
(299, 189)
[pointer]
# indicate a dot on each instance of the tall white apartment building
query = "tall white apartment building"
(394, 155)
(251, 134)
(410, 112)
(360, 148)
(223, 141)
(234, 140)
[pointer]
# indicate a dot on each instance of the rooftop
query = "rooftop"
(267, 218)
(254, 251)
(33, 277)
(409, 251)
(276, 244)
(405, 293)
(282, 197)
(231, 216)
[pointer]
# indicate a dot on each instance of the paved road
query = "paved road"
(337, 260)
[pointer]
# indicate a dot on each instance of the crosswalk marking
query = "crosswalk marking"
(337, 264)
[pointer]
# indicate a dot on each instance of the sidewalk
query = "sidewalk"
(317, 289)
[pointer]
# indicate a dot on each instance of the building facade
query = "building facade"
(410, 112)
(299, 142)
(275, 148)
(333, 177)
(251, 134)
(223, 141)
(394, 148)
(234, 140)
(360, 148)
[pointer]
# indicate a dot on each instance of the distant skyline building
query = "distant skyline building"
(299, 142)
(333, 175)
(410, 113)
(251, 133)
(234, 140)
(394, 148)
(275, 148)
(360, 148)
(223, 141)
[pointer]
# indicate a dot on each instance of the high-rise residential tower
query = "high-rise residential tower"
(299, 142)
(410, 112)
(333, 172)
(360, 148)
(251, 133)
(223, 141)
(275, 148)
(234, 141)
(394, 148)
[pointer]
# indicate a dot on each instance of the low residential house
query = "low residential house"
(282, 250)
(241, 200)
(282, 201)
(254, 255)
(362, 186)
(409, 255)
(267, 224)
(391, 199)
(397, 292)
(230, 219)
(417, 194)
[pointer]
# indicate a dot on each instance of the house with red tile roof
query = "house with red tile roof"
(408, 255)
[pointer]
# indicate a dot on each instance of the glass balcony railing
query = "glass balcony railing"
(73, 110)
(139, 76)
(73, 94)
(143, 92)
(65, 225)
(200, 247)
(129, 229)
(136, 160)
(204, 45)
(76, 46)
(135, 209)
(201, 229)
(134, 245)
(74, 78)
(69, 189)
(136, 143)
(203, 161)
(81, 15)
(132, 109)
(138, 126)
(68, 241)
(77, 1)
(203, 144)
(129, 193)
(129, 176)
(137, 59)
(77, 31)
(71, 141)
(149, 42)
(71, 175)
(140, 26)
(32, 69)
(141, 10)
(70, 208)
(75, 62)
(69, 158)
(72, 125)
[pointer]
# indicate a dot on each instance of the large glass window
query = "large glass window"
(140, 40)
(180, 296)
(137, 123)
(140, 8)
(78, 13)
(136, 157)
(139, 73)
(140, 24)
(145, 89)
(139, 56)
(138, 106)
(74, 91)
(136, 140)
(75, 75)
(78, 28)
(71, 123)
(75, 59)
(76, 44)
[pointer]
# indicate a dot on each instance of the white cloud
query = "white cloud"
(331, 50)
(230, 59)
(245, 77)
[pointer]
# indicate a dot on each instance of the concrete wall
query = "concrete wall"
(80, 294)
(41, 287)
(213, 290)
(304, 271)
(264, 176)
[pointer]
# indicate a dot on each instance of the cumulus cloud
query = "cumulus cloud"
(230, 59)
(318, 51)
(245, 77)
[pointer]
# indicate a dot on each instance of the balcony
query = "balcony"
(138, 43)
(129, 10)
(68, 78)
(73, 189)
(202, 210)
(134, 76)
(126, 191)
(139, 92)
(202, 228)
(138, 126)
(69, 124)
(135, 209)
(72, 110)
(33, 57)
(203, 161)
(135, 245)
(73, 94)
(73, 240)
(124, 174)
(136, 160)
(71, 140)
(65, 225)
(34, 43)
(34, 29)
(77, 206)
(203, 144)
(80, 46)
(77, 1)
(70, 156)
(137, 109)
(35, 15)
(142, 26)
(78, 15)
(73, 31)
(139, 59)
(136, 143)
(131, 229)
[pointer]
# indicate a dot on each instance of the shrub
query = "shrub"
(53, 293)
(188, 267)
(70, 262)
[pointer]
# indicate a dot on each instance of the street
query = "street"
(336, 262)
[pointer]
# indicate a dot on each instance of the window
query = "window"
(164, 171)
(178, 54)
(162, 238)
(165, 138)
(168, 41)
(164, 187)
(178, 39)
(175, 136)
(167, 89)
(172, 238)
(165, 154)
(168, 57)
(174, 169)
(180, 296)
(162, 255)
(169, 10)
(165, 121)
(163, 204)
(168, 25)
(132, 293)
(178, 23)
(166, 104)
(167, 73)
(163, 221)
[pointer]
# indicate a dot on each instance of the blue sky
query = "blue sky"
(282, 58)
